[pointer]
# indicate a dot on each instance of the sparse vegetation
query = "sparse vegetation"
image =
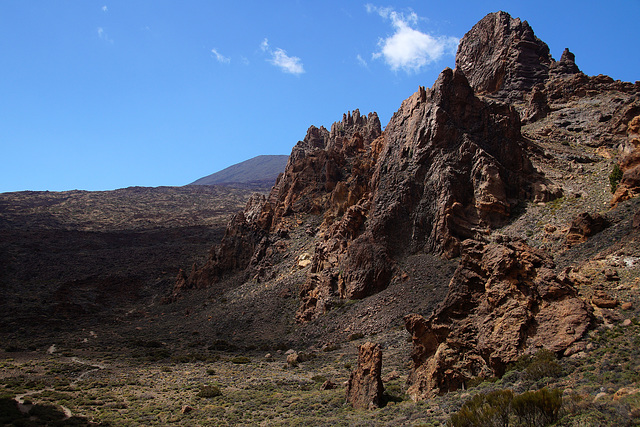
(209, 391)
(503, 408)
(614, 177)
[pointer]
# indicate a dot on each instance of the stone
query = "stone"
(610, 275)
(629, 185)
(328, 385)
(626, 306)
(601, 395)
(625, 391)
(293, 359)
(364, 388)
(186, 409)
(584, 226)
(601, 299)
(304, 260)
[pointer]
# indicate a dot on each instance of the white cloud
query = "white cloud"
(361, 61)
(104, 8)
(409, 49)
(221, 58)
(103, 35)
(279, 58)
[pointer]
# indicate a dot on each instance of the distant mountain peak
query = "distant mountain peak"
(257, 170)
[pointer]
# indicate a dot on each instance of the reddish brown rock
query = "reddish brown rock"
(585, 226)
(502, 56)
(328, 385)
(448, 167)
(503, 300)
(629, 185)
(365, 389)
(603, 300)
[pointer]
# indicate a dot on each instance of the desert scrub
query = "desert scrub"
(209, 391)
(240, 360)
(503, 408)
(543, 364)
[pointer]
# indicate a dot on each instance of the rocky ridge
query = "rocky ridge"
(451, 167)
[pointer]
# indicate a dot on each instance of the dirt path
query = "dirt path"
(26, 407)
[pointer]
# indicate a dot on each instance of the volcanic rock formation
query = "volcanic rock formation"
(448, 167)
(503, 300)
(504, 60)
(365, 389)
(630, 165)
(502, 56)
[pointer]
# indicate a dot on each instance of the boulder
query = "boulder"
(584, 226)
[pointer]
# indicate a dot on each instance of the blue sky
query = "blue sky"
(98, 95)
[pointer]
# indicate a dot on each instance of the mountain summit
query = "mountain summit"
(260, 170)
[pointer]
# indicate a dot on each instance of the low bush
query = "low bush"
(239, 360)
(537, 408)
(614, 177)
(209, 391)
(501, 408)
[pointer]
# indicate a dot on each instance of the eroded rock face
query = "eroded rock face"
(365, 388)
(503, 300)
(504, 60)
(501, 55)
(585, 226)
(629, 185)
(449, 166)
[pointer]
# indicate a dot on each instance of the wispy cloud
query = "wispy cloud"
(279, 58)
(361, 61)
(221, 58)
(104, 36)
(409, 49)
(105, 9)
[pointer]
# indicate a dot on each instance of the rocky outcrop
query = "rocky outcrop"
(364, 388)
(502, 56)
(566, 65)
(504, 300)
(629, 185)
(585, 226)
(449, 166)
(452, 167)
(504, 60)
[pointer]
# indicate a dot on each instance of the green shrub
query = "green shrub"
(209, 391)
(318, 379)
(614, 177)
(537, 408)
(543, 364)
(240, 360)
(502, 408)
(492, 409)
